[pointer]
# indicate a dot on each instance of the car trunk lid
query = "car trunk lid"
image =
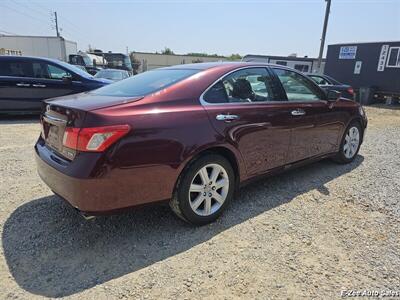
(89, 101)
(69, 112)
(54, 122)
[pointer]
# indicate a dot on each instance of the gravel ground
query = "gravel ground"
(308, 233)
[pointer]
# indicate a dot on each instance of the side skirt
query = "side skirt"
(287, 167)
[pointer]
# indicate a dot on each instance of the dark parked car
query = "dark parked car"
(26, 81)
(190, 134)
(328, 84)
(112, 74)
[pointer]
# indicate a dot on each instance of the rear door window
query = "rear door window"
(243, 86)
(40, 70)
(16, 68)
(47, 71)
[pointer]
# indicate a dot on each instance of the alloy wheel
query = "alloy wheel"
(208, 189)
(351, 143)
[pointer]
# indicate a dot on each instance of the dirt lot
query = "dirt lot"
(308, 233)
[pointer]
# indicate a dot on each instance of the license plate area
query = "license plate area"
(53, 138)
(53, 131)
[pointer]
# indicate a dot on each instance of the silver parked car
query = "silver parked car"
(112, 74)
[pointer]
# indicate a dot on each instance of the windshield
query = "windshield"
(75, 69)
(113, 75)
(87, 61)
(145, 83)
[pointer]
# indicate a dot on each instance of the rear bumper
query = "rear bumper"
(87, 195)
(117, 190)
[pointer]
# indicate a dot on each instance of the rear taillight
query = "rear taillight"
(350, 90)
(94, 139)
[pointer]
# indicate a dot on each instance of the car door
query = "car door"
(315, 125)
(52, 80)
(243, 109)
(16, 91)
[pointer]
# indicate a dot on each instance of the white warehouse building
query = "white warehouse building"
(149, 61)
(45, 46)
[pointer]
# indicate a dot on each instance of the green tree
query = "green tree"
(234, 57)
(200, 54)
(167, 51)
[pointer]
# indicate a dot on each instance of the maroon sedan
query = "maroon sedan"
(190, 134)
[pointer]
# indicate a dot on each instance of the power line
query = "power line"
(45, 8)
(7, 32)
(71, 23)
(38, 10)
(75, 28)
(70, 27)
(24, 14)
(31, 7)
(53, 26)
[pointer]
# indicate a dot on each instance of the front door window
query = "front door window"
(298, 88)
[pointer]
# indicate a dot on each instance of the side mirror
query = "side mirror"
(333, 95)
(67, 79)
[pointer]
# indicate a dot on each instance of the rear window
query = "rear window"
(17, 68)
(145, 83)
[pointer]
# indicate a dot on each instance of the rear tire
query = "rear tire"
(350, 144)
(204, 189)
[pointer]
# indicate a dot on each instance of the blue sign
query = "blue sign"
(348, 52)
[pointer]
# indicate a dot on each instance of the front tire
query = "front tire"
(350, 144)
(204, 189)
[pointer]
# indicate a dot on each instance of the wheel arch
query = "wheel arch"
(360, 121)
(229, 154)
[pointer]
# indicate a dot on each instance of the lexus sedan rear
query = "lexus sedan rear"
(190, 135)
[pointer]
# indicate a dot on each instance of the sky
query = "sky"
(269, 27)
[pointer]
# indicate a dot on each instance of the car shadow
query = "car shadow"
(19, 119)
(52, 251)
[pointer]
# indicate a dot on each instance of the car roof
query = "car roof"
(314, 74)
(218, 64)
(14, 57)
(118, 70)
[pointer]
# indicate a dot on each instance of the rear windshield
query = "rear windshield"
(334, 81)
(145, 83)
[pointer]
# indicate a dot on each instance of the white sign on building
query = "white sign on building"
(382, 58)
(357, 67)
(348, 52)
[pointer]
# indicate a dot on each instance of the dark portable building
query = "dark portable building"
(373, 69)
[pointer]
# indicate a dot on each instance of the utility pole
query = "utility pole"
(56, 21)
(321, 49)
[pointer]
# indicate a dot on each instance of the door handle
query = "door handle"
(39, 85)
(227, 118)
(23, 84)
(298, 112)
